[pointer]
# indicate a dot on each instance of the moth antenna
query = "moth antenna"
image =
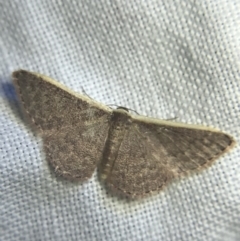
(173, 118)
(85, 93)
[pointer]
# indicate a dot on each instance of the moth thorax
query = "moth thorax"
(121, 117)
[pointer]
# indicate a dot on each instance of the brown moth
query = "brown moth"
(136, 155)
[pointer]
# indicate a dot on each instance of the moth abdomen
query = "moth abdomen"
(120, 123)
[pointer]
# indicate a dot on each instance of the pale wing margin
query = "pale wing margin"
(191, 147)
(74, 127)
(154, 152)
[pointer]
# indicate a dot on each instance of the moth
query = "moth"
(135, 155)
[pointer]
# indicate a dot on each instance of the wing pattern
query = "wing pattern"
(138, 155)
(151, 155)
(74, 130)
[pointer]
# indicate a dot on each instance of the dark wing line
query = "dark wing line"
(171, 141)
(216, 143)
(143, 137)
(179, 148)
(179, 137)
(195, 149)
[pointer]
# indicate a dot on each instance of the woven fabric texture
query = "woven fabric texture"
(164, 59)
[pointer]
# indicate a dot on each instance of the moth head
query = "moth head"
(123, 109)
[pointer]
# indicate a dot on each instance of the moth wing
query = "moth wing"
(154, 152)
(74, 127)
